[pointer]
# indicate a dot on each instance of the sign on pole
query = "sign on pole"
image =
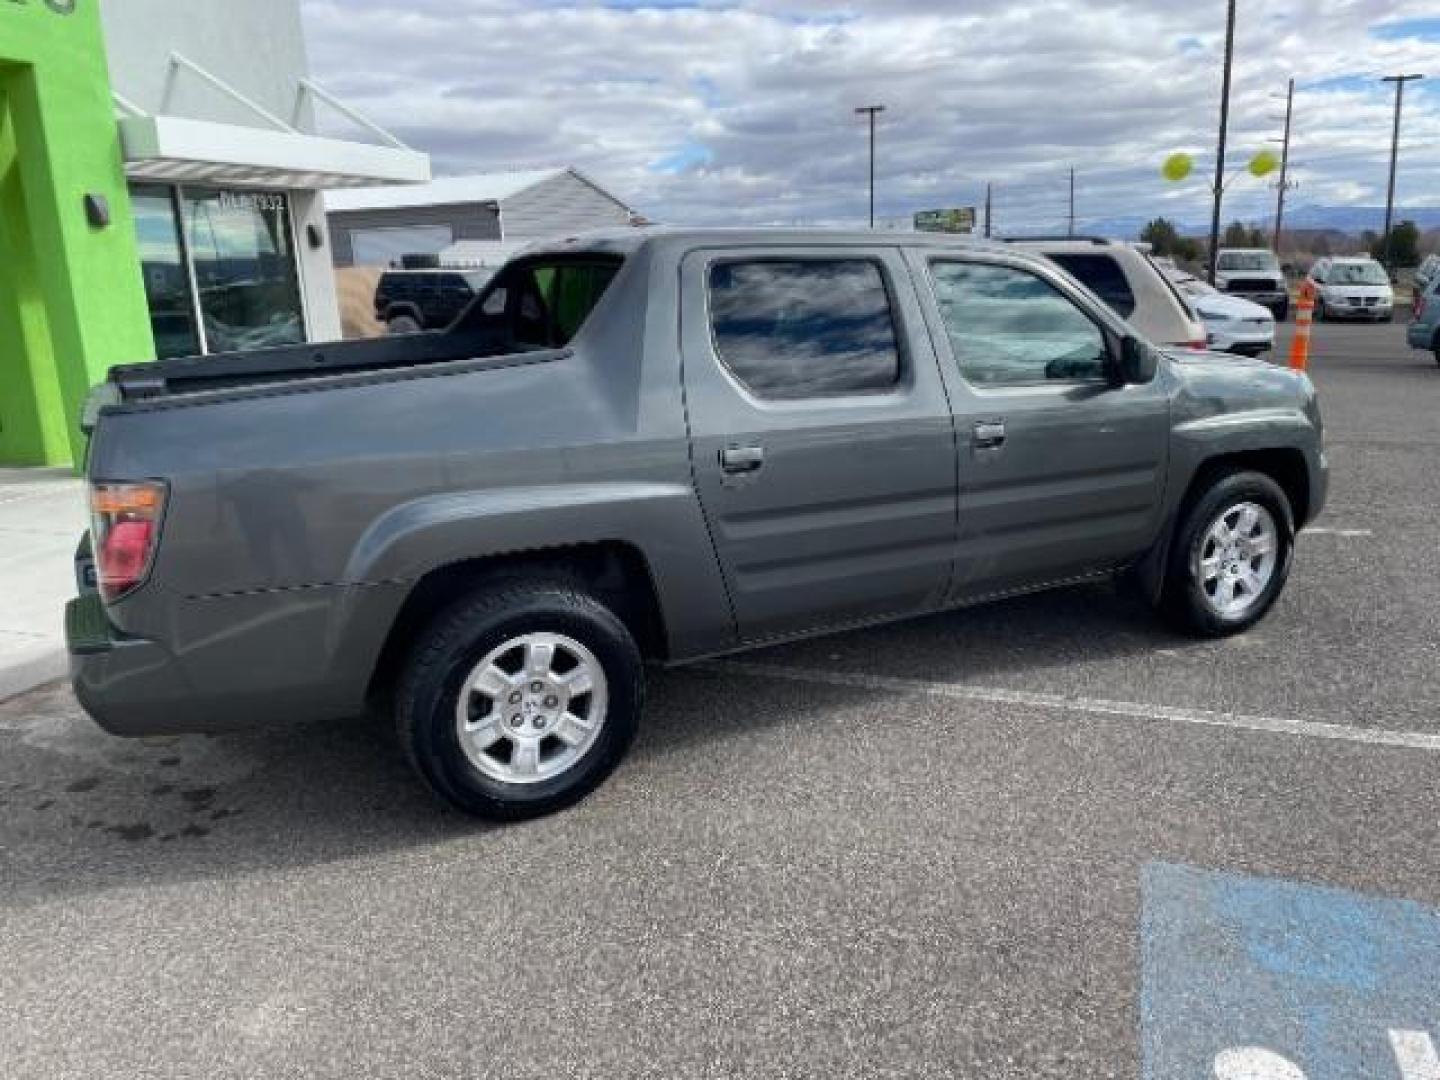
(957, 220)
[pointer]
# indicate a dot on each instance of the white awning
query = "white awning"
(196, 151)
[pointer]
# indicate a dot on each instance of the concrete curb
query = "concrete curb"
(32, 668)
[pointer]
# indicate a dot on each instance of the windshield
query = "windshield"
(1366, 273)
(1249, 260)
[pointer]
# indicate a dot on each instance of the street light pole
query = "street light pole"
(1071, 232)
(1399, 81)
(1284, 165)
(871, 111)
(1220, 153)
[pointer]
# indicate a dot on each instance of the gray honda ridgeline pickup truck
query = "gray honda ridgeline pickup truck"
(656, 445)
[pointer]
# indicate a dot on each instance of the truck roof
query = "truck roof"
(624, 241)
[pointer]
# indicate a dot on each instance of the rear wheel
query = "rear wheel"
(520, 700)
(1231, 556)
(404, 324)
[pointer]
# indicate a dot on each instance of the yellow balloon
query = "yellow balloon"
(1264, 163)
(1177, 167)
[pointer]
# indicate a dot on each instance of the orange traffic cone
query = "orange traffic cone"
(1304, 317)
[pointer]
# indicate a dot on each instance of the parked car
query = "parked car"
(1424, 329)
(408, 301)
(1128, 281)
(659, 445)
(1254, 274)
(1352, 288)
(1231, 324)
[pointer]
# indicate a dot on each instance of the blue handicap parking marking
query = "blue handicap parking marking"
(1249, 978)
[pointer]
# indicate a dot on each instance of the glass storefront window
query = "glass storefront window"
(167, 279)
(245, 268)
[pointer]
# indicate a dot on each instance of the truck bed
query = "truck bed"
(164, 378)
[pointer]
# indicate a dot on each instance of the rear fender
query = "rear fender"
(660, 520)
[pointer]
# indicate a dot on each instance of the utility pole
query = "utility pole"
(871, 111)
(1284, 165)
(1220, 153)
(989, 187)
(1071, 232)
(1399, 81)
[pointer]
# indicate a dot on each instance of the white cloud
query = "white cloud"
(742, 112)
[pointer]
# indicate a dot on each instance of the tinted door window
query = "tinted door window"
(1009, 327)
(1101, 275)
(805, 329)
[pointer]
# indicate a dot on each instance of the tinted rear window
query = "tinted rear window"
(805, 329)
(1102, 275)
(543, 303)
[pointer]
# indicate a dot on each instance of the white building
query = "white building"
(467, 220)
(218, 129)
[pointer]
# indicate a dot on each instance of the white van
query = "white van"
(1352, 288)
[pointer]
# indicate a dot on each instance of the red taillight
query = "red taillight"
(125, 519)
(1199, 344)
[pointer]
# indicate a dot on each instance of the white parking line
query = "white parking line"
(1310, 729)
(1344, 534)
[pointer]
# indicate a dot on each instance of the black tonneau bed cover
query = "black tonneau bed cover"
(161, 378)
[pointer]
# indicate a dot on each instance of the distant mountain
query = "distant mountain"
(1346, 219)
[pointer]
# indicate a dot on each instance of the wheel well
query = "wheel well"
(615, 572)
(1285, 466)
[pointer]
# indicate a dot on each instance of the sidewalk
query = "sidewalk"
(42, 513)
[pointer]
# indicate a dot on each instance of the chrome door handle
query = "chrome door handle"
(989, 434)
(742, 459)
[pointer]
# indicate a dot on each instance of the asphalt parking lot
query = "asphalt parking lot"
(1046, 838)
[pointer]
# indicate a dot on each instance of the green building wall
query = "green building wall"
(72, 300)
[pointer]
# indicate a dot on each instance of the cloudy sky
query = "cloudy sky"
(720, 111)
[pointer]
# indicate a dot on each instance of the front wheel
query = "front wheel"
(1231, 556)
(520, 700)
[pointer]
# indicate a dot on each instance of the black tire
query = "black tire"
(447, 651)
(1184, 601)
(1282, 311)
(1319, 310)
(404, 324)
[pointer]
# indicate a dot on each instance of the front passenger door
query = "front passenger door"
(1062, 472)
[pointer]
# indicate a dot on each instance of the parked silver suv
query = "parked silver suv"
(1128, 280)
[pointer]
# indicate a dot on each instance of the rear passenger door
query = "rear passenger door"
(1061, 472)
(823, 445)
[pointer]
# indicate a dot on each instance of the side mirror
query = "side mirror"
(1138, 361)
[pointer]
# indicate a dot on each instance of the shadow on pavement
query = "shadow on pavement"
(83, 811)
